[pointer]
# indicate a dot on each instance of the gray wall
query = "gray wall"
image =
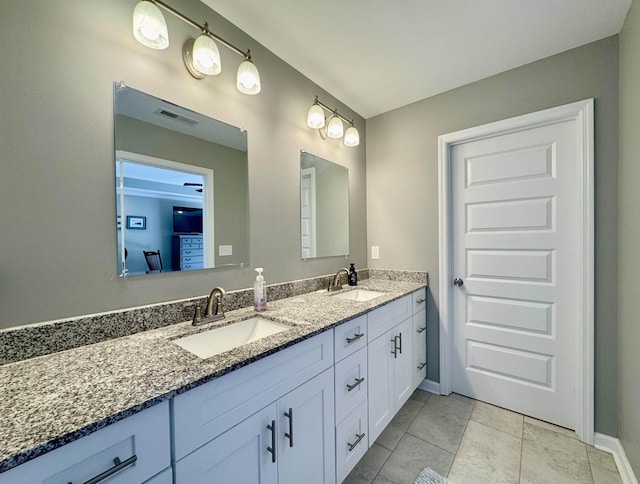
(629, 235)
(58, 246)
(402, 179)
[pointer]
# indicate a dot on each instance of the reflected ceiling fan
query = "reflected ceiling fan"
(187, 184)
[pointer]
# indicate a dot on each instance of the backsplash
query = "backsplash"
(40, 339)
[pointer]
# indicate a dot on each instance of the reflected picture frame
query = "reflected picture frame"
(136, 222)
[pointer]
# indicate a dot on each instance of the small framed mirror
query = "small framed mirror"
(324, 207)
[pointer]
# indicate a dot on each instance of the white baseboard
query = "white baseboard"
(430, 386)
(613, 446)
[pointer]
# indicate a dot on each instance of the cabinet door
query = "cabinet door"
(306, 442)
(380, 371)
(239, 455)
(402, 364)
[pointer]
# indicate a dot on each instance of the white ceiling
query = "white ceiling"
(378, 55)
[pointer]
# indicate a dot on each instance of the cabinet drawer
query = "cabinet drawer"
(190, 267)
(186, 242)
(351, 382)
(352, 441)
(350, 337)
(419, 321)
(419, 364)
(205, 412)
(142, 438)
(191, 252)
(419, 300)
(389, 315)
(192, 259)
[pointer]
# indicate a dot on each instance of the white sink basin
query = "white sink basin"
(216, 341)
(359, 295)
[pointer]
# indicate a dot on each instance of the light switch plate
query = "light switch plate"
(225, 250)
(375, 252)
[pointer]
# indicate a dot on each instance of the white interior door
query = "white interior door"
(515, 323)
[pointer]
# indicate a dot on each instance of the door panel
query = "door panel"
(513, 226)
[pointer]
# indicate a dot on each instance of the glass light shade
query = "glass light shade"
(206, 57)
(335, 129)
(315, 117)
(351, 136)
(248, 78)
(149, 26)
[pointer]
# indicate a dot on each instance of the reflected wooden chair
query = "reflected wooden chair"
(154, 261)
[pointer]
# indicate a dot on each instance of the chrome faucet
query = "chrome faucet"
(335, 284)
(213, 311)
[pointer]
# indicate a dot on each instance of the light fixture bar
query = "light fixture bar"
(334, 111)
(202, 28)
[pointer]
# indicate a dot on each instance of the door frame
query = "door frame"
(581, 113)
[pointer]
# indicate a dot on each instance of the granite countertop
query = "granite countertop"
(52, 400)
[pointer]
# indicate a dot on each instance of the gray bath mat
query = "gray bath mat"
(429, 476)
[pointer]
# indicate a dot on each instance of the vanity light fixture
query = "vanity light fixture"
(331, 127)
(201, 56)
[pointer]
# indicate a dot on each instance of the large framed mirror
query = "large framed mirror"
(181, 187)
(324, 207)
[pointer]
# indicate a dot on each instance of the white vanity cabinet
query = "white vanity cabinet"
(271, 421)
(132, 450)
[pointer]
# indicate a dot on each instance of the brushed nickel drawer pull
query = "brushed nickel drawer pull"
(351, 446)
(421, 330)
(109, 472)
(421, 366)
(355, 385)
(356, 337)
(420, 301)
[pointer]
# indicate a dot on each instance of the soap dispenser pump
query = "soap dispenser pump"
(259, 292)
(353, 275)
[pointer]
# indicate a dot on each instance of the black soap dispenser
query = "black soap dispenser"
(353, 275)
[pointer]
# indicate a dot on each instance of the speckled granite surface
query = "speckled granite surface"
(24, 342)
(52, 400)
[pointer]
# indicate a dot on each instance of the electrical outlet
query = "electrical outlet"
(225, 250)
(375, 252)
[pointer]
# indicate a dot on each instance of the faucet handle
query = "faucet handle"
(197, 316)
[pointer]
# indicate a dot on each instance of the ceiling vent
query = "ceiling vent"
(177, 117)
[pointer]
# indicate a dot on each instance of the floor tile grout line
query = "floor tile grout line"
(589, 461)
(473, 405)
(385, 461)
(403, 434)
(493, 428)
(521, 452)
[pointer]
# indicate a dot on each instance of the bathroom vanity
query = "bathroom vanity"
(302, 405)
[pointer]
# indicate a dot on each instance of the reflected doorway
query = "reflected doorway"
(163, 206)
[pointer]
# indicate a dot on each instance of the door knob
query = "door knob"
(458, 282)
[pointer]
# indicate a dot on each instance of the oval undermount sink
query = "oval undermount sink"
(218, 340)
(359, 295)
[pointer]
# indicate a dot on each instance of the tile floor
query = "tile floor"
(473, 442)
